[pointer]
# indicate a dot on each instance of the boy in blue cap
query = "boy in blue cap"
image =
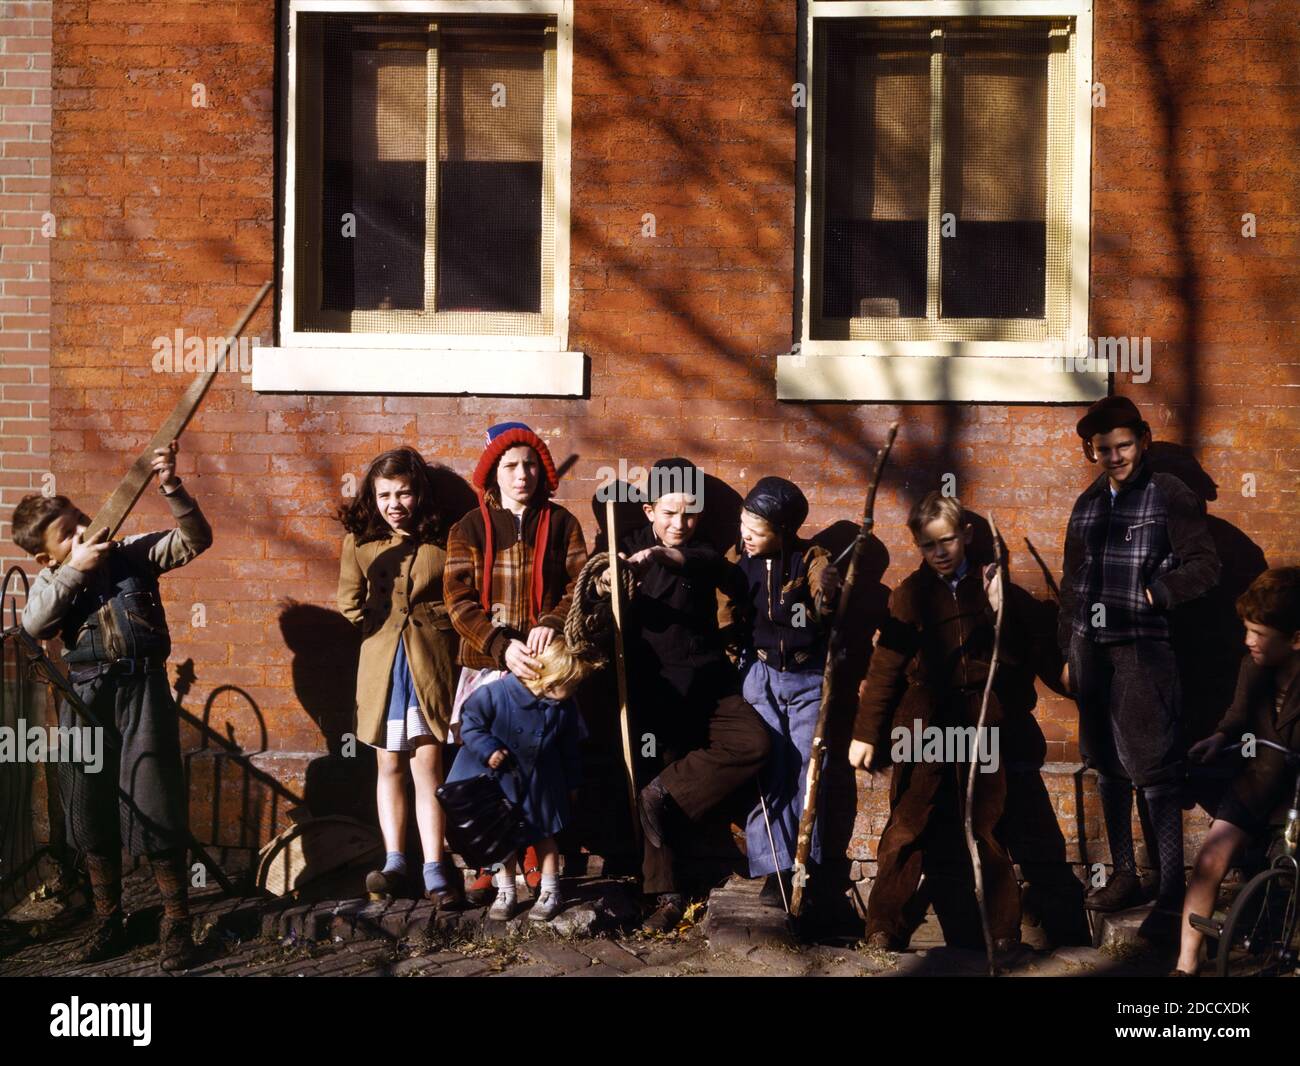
(790, 593)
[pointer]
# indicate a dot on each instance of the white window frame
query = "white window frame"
(392, 362)
(901, 371)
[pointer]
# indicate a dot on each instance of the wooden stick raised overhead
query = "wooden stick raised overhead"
(114, 512)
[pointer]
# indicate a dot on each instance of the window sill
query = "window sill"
(934, 379)
(419, 370)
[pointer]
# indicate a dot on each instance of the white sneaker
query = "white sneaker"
(503, 907)
(549, 902)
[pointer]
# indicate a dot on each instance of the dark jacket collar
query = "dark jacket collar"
(1140, 477)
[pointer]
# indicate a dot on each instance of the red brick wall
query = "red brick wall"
(682, 110)
(24, 258)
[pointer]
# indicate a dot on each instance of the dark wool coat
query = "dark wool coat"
(392, 590)
(1151, 536)
(542, 735)
(1265, 781)
(672, 635)
(934, 651)
(778, 613)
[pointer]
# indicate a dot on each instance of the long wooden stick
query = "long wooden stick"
(1000, 550)
(834, 645)
(620, 660)
(129, 489)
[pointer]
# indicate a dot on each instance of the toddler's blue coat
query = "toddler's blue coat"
(543, 737)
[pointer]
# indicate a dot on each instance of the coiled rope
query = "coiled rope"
(589, 627)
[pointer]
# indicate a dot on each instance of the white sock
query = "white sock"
(551, 883)
(505, 883)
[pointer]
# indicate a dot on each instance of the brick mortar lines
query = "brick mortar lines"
(25, 185)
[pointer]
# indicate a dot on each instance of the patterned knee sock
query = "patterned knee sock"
(170, 874)
(105, 873)
(1164, 802)
(1117, 810)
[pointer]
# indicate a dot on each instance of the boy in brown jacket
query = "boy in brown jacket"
(927, 675)
(1267, 706)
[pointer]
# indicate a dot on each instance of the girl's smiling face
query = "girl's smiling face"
(396, 501)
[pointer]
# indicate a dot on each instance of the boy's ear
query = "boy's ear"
(45, 559)
(649, 510)
(1088, 452)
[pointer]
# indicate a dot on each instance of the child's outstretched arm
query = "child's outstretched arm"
(54, 590)
(192, 535)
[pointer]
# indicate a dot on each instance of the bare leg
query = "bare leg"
(426, 770)
(390, 793)
(549, 852)
(1222, 843)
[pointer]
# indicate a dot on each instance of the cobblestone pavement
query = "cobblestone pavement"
(733, 934)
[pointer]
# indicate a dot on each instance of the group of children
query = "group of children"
(462, 640)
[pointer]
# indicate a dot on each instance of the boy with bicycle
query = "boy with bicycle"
(1267, 708)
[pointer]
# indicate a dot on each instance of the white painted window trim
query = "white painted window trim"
(928, 371)
(485, 364)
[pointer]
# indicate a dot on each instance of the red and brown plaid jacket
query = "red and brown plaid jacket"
(485, 635)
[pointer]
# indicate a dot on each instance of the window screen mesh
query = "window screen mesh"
(424, 175)
(941, 181)
(994, 175)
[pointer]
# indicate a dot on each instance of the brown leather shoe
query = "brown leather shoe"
(669, 908)
(380, 885)
(107, 940)
(882, 941)
(176, 944)
(451, 898)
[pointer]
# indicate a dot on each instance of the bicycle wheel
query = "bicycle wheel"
(1258, 931)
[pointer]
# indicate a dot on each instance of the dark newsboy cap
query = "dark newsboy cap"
(1108, 413)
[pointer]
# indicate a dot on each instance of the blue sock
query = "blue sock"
(435, 876)
(394, 863)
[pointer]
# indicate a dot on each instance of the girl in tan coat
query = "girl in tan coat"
(390, 586)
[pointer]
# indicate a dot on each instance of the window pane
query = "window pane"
(995, 174)
(491, 109)
(876, 191)
(374, 129)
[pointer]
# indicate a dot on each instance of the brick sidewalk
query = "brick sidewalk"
(593, 937)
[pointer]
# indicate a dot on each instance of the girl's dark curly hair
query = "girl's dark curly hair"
(361, 517)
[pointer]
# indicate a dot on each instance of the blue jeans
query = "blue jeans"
(788, 704)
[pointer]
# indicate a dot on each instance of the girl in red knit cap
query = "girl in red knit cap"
(511, 568)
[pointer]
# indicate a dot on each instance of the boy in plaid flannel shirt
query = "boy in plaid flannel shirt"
(1136, 547)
